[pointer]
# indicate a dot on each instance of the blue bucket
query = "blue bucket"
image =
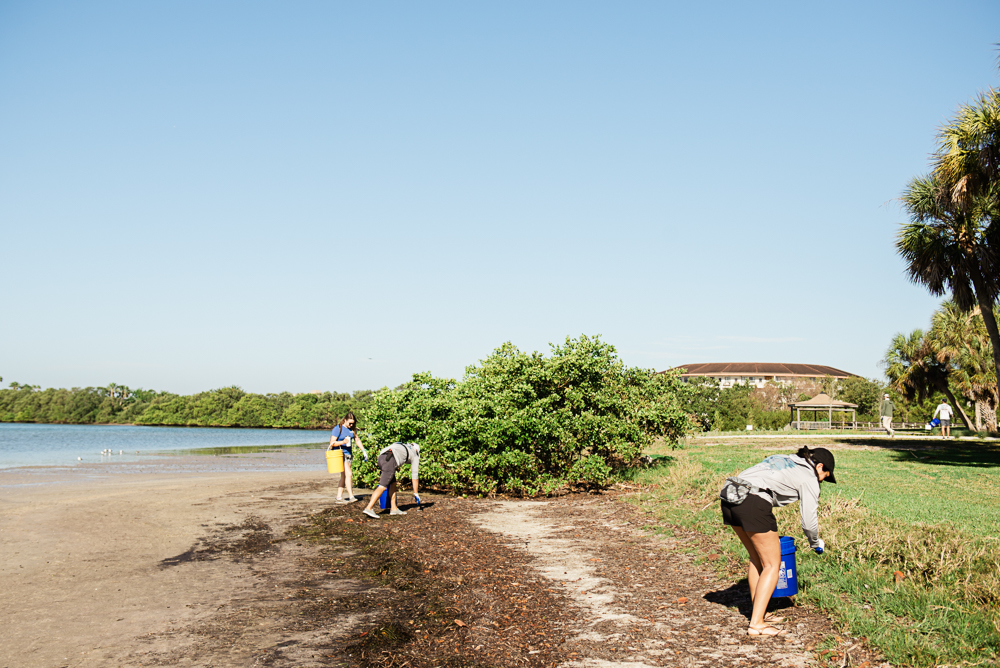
(788, 582)
(383, 501)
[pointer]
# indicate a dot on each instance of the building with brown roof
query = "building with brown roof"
(759, 373)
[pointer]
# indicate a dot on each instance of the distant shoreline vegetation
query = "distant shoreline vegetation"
(224, 407)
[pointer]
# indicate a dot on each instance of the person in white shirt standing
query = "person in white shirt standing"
(945, 411)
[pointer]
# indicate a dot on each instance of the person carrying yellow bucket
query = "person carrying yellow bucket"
(340, 455)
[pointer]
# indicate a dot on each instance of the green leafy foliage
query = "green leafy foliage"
(736, 407)
(527, 424)
(865, 392)
(224, 407)
(700, 398)
(729, 409)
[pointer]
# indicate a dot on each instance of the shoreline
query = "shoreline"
(186, 426)
(281, 459)
(42, 445)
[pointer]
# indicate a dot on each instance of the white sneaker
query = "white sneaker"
(352, 499)
(370, 513)
(397, 511)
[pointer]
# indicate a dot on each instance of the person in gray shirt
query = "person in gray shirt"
(886, 414)
(389, 461)
(777, 481)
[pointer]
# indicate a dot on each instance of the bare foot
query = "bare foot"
(765, 631)
(771, 618)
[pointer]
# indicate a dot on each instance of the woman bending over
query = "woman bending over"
(777, 481)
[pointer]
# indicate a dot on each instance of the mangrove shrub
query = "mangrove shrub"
(526, 424)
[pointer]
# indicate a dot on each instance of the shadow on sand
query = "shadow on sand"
(738, 596)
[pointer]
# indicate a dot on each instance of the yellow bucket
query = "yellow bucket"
(335, 461)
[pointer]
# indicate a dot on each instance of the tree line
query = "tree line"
(223, 407)
(708, 407)
(516, 423)
(714, 408)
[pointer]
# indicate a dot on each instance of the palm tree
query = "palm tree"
(902, 365)
(914, 370)
(952, 242)
(968, 155)
(963, 343)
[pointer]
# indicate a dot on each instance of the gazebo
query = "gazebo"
(821, 402)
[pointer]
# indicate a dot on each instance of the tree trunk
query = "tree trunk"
(990, 320)
(990, 415)
(958, 407)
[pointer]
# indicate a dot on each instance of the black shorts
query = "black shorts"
(755, 515)
(387, 465)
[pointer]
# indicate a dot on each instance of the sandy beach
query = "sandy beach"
(93, 562)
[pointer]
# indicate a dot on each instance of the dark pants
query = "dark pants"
(387, 464)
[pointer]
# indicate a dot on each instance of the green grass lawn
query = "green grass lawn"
(914, 481)
(927, 509)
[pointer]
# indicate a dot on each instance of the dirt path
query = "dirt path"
(644, 601)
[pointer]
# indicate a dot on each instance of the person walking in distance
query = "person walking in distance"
(747, 503)
(389, 461)
(886, 413)
(945, 411)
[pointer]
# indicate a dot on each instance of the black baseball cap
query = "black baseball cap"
(825, 457)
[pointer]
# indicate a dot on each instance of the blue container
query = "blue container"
(383, 501)
(788, 581)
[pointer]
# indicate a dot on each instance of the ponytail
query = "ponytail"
(807, 454)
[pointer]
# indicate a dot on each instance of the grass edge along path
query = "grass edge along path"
(923, 594)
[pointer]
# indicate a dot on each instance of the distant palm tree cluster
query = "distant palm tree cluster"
(953, 357)
(951, 245)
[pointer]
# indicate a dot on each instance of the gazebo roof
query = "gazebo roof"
(822, 400)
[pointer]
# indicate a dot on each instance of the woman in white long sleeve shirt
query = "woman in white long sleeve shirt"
(777, 481)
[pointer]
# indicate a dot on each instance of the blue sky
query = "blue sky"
(323, 195)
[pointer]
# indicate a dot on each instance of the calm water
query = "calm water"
(61, 445)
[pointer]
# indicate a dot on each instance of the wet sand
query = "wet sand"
(83, 550)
